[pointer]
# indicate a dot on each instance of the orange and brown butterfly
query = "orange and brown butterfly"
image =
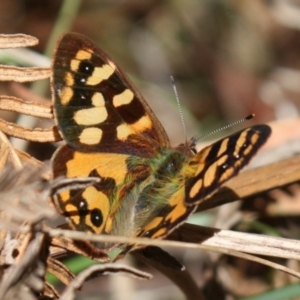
(147, 188)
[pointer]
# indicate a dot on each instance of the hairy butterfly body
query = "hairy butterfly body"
(147, 188)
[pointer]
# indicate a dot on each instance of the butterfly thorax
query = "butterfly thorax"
(147, 189)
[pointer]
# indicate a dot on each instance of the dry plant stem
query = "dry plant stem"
(21, 274)
(18, 74)
(36, 135)
(23, 242)
(278, 247)
(59, 270)
(255, 181)
(60, 244)
(37, 109)
(17, 40)
(181, 278)
(51, 292)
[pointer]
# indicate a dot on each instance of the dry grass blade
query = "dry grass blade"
(36, 135)
(281, 247)
(60, 271)
(26, 279)
(18, 74)
(97, 270)
(264, 262)
(17, 40)
(37, 109)
(245, 242)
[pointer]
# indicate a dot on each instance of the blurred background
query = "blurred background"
(229, 58)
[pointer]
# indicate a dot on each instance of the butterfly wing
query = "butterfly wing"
(217, 163)
(96, 107)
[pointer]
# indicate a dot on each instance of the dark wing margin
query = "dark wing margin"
(217, 163)
(95, 104)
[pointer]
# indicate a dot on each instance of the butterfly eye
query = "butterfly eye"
(96, 217)
(171, 165)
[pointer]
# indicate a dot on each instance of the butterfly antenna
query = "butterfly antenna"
(179, 107)
(225, 127)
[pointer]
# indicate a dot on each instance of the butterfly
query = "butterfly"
(147, 188)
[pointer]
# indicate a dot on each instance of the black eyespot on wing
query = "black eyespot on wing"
(96, 217)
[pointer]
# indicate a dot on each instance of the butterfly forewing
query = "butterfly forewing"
(217, 163)
(96, 106)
